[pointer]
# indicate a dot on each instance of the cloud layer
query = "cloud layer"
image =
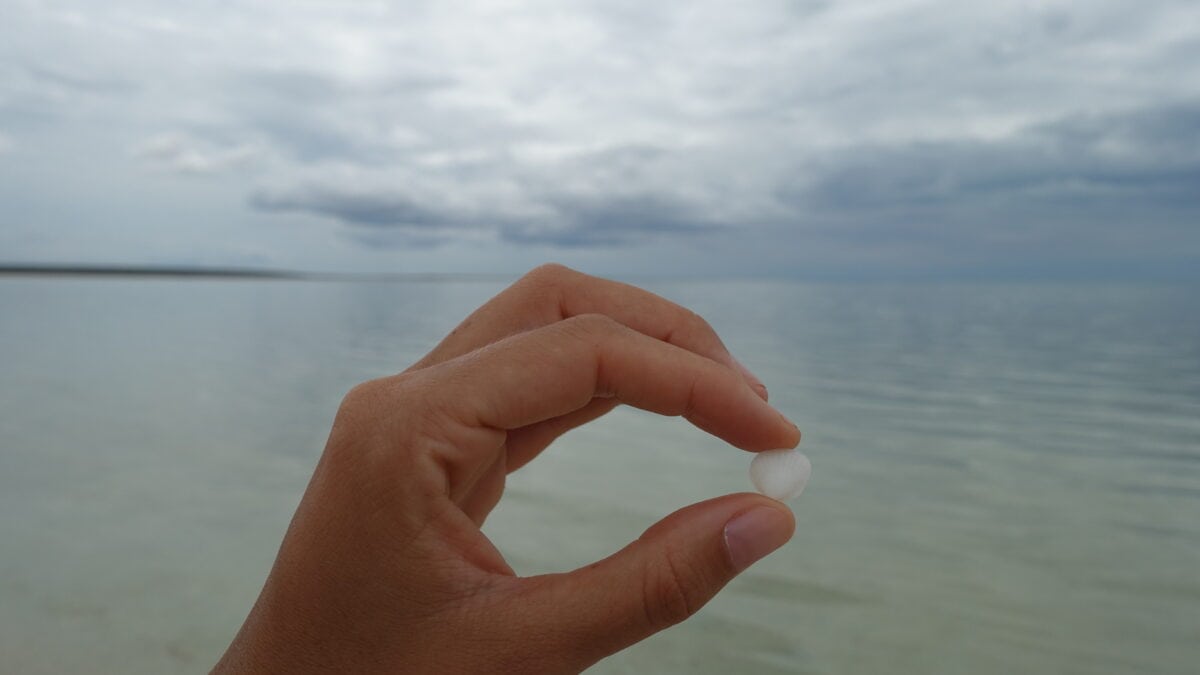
(911, 134)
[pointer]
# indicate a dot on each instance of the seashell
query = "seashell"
(780, 474)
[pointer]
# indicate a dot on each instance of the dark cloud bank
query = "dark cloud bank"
(1102, 188)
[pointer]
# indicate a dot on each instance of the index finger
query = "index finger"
(552, 371)
(551, 293)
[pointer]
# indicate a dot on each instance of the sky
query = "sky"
(862, 139)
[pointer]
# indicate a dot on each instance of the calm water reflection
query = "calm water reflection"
(1006, 478)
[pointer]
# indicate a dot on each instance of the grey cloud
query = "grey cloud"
(297, 85)
(377, 209)
(186, 155)
(1146, 155)
(377, 238)
(1106, 185)
(1082, 176)
(87, 83)
(314, 116)
(611, 220)
(302, 113)
(292, 86)
(546, 215)
(39, 96)
(1152, 136)
(309, 140)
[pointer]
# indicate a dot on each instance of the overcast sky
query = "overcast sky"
(860, 139)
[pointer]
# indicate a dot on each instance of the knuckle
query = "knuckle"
(354, 422)
(695, 327)
(541, 290)
(379, 419)
(700, 324)
(361, 397)
(547, 274)
(670, 592)
(365, 407)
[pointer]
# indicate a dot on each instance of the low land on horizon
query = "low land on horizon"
(1163, 274)
(220, 273)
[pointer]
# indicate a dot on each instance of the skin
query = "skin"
(384, 567)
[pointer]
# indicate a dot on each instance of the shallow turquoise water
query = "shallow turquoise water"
(1006, 477)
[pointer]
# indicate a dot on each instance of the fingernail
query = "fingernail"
(755, 533)
(755, 383)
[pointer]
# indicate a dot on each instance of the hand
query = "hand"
(384, 568)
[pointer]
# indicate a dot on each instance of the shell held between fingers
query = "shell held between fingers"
(780, 474)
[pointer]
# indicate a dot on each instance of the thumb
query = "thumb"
(664, 577)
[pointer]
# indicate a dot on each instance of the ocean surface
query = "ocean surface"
(1006, 477)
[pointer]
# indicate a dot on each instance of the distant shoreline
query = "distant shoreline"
(141, 271)
(258, 274)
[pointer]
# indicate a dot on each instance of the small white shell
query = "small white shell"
(780, 474)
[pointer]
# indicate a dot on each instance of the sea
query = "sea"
(1006, 476)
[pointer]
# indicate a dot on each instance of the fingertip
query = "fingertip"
(788, 435)
(794, 434)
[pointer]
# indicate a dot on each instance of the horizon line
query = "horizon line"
(224, 272)
(200, 272)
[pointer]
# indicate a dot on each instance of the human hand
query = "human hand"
(384, 567)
